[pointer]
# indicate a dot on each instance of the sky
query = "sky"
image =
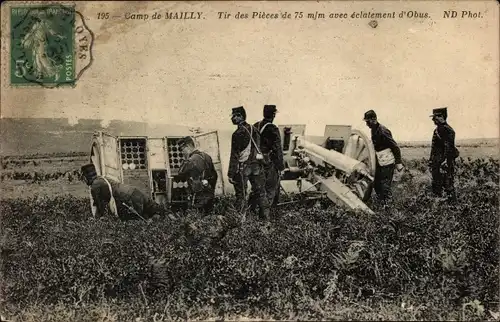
(317, 72)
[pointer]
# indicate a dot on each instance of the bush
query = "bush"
(41, 176)
(305, 263)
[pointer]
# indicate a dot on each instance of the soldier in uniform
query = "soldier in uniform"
(123, 201)
(443, 155)
(199, 171)
(270, 145)
(388, 156)
(245, 163)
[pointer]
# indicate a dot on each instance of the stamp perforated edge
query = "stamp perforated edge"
(6, 42)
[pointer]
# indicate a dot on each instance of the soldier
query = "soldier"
(245, 163)
(443, 155)
(388, 156)
(270, 145)
(199, 171)
(122, 199)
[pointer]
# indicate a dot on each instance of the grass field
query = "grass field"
(421, 259)
(57, 173)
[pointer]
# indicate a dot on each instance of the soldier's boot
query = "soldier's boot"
(261, 202)
(437, 190)
(264, 209)
(437, 183)
(271, 196)
(276, 199)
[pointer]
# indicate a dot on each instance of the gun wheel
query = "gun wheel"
(95, 159)
(360, 147)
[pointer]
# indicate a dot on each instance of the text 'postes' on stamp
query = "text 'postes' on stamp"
(42, 45)
(50, 45)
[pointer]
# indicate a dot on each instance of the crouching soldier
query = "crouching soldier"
(245, 164)
(199, 171)
(443, 155)
(123, 201)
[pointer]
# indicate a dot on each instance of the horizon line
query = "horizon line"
(193, 126)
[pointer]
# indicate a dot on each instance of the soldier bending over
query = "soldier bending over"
(123, 201)
(199, 171)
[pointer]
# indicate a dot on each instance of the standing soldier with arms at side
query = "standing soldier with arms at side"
(123, 201)
(270, 145)
(245, 164)
(388, 156)
(443, 155)
(199, 171)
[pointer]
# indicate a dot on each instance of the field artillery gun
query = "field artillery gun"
(340, 165)
(151, 163)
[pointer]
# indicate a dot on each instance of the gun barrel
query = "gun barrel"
(338, 160)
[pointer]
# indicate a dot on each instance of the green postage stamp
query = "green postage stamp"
(43, 45)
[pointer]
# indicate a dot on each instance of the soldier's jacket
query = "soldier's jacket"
(239, 141)
(443, 144)
(382, 139)
(122, 193)
(199, 166)
(270, 143)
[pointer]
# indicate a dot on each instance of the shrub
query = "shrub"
(305, 263)
(41, 176)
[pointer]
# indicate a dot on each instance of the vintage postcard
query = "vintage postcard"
(249, 160)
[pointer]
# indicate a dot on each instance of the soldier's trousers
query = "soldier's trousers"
(254, 174)
(383, 182)
(444, 180)
(144, 206)
(272, 185)
(204, 201)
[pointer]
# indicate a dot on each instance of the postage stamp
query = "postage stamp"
(46, 44)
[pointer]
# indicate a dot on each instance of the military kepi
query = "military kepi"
(89, 170)
(240, 110)
(440, 112)
(370, 115)
(270, 109)
(185, 141)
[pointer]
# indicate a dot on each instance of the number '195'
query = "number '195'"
(103, 15)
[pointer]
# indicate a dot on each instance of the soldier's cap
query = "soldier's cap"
(370, 115)
(187, 140)
(89, 170)
(270, 109)
(443, 111)
(239, 110)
